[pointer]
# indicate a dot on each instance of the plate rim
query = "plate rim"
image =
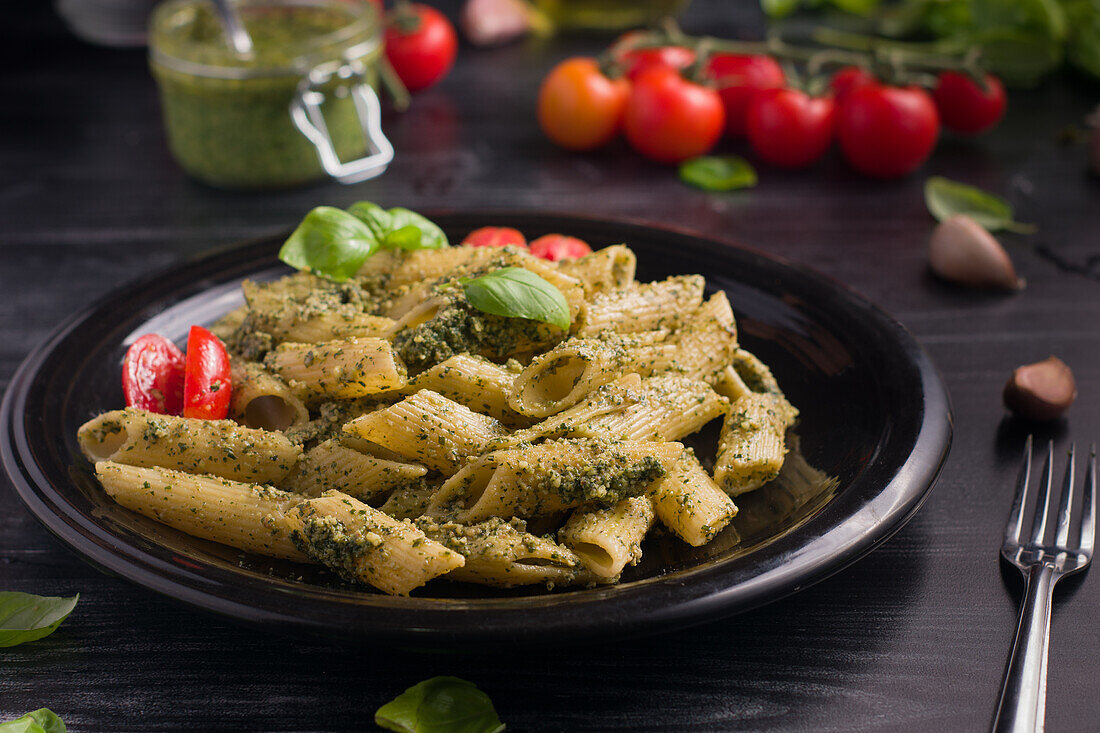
(907, 489)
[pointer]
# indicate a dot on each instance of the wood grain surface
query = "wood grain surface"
(913, 637)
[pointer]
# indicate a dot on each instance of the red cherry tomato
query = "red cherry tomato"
(886, 131)
(556, 247)
(966, 107)
(637, 60)
(739, 78)
(152, 375)
(420, 45)
(206, 383)
(789, 128)
(579, 108)
(670, 119)
(849, 79)
(495, 237)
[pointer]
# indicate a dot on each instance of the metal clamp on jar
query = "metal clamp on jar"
(299, 106)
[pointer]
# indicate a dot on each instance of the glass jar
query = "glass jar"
(300, 107)
(608, 14)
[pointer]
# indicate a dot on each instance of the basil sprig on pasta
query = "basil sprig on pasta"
(334, 243)
(440, 705)
(514, 292)
(25, 617)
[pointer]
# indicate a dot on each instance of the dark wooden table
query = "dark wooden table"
(914, 636)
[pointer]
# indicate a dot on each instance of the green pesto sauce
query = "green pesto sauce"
(238, 133)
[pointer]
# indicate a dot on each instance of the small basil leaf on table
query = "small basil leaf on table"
(42, 720)
(724, 173)
(946, 198)
(440, 705)
(514, 292)
(329, 242)
(26, 617)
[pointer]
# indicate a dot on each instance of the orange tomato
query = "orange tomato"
(579, 107)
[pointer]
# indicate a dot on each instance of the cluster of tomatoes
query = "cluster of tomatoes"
(552, 247)
(672, 105)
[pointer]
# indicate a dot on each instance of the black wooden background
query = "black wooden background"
(913, 637)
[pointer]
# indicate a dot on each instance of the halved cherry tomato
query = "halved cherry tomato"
(887, 131)
(495, 237)
(637, 60)
(790, 129)
(206, 383)
(556, 247)
(738, 78)
(849, 79)
(966, 107)
(579, 108)
(670, 119)
(152, 375)
(421, 45)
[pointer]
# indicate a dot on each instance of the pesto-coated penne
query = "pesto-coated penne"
(690, 504)
(605, 270)
(607, 540)
(262, 400)
(219, 447)
(343, 369)
(644, 307)
(250, 517)
(332, 466)
(474, 382)
(362, 544)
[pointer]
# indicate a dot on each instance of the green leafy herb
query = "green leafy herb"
(329, 242)
(945, 198)
(399, 228)
(42, 720)
(779, 8)
(723, 173)
(440, 705)
(25, 617)
(514, 292)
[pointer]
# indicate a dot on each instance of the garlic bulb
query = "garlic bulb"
(493, 22)
(961, 251)
(1041, 391)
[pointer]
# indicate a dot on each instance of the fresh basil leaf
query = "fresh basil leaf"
(1083, 49)
(42, 720)
(431, 236)
(778, 8)
(393, 228)
(440, 705)
(514, 292)
(329, 242)
(25, 617)
(945, 198)
(374, 216)
(718, 173)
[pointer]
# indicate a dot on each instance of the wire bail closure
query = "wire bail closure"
(305, 111)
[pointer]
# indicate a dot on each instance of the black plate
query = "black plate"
(875, 416)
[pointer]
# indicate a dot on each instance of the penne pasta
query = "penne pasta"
(690, 504)
(344, 369)
(604, 271)
(644, 307)
(332, 466)
(607, 540)
(262, 400)
(218, 447)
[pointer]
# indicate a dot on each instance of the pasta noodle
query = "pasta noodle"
(392, 429)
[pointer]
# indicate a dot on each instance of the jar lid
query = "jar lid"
(289, 37)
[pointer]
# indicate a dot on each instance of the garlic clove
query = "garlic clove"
(494, 22)
(961, 251)
(1041, 391)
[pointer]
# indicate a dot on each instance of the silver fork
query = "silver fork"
(1023, 697)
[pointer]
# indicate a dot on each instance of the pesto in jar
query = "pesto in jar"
(228, 117)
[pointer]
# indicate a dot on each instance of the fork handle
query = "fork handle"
(1024, 694)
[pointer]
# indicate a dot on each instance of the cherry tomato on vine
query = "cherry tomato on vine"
(637, 60)
(206, 384)
(669, 118)
(849, 79)
(966, 107)
(738, 78)
(887, 131)
(420, 45)
(788, 128)
(579, 108)
(152, 375)
(556, 247)
(495, 237)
